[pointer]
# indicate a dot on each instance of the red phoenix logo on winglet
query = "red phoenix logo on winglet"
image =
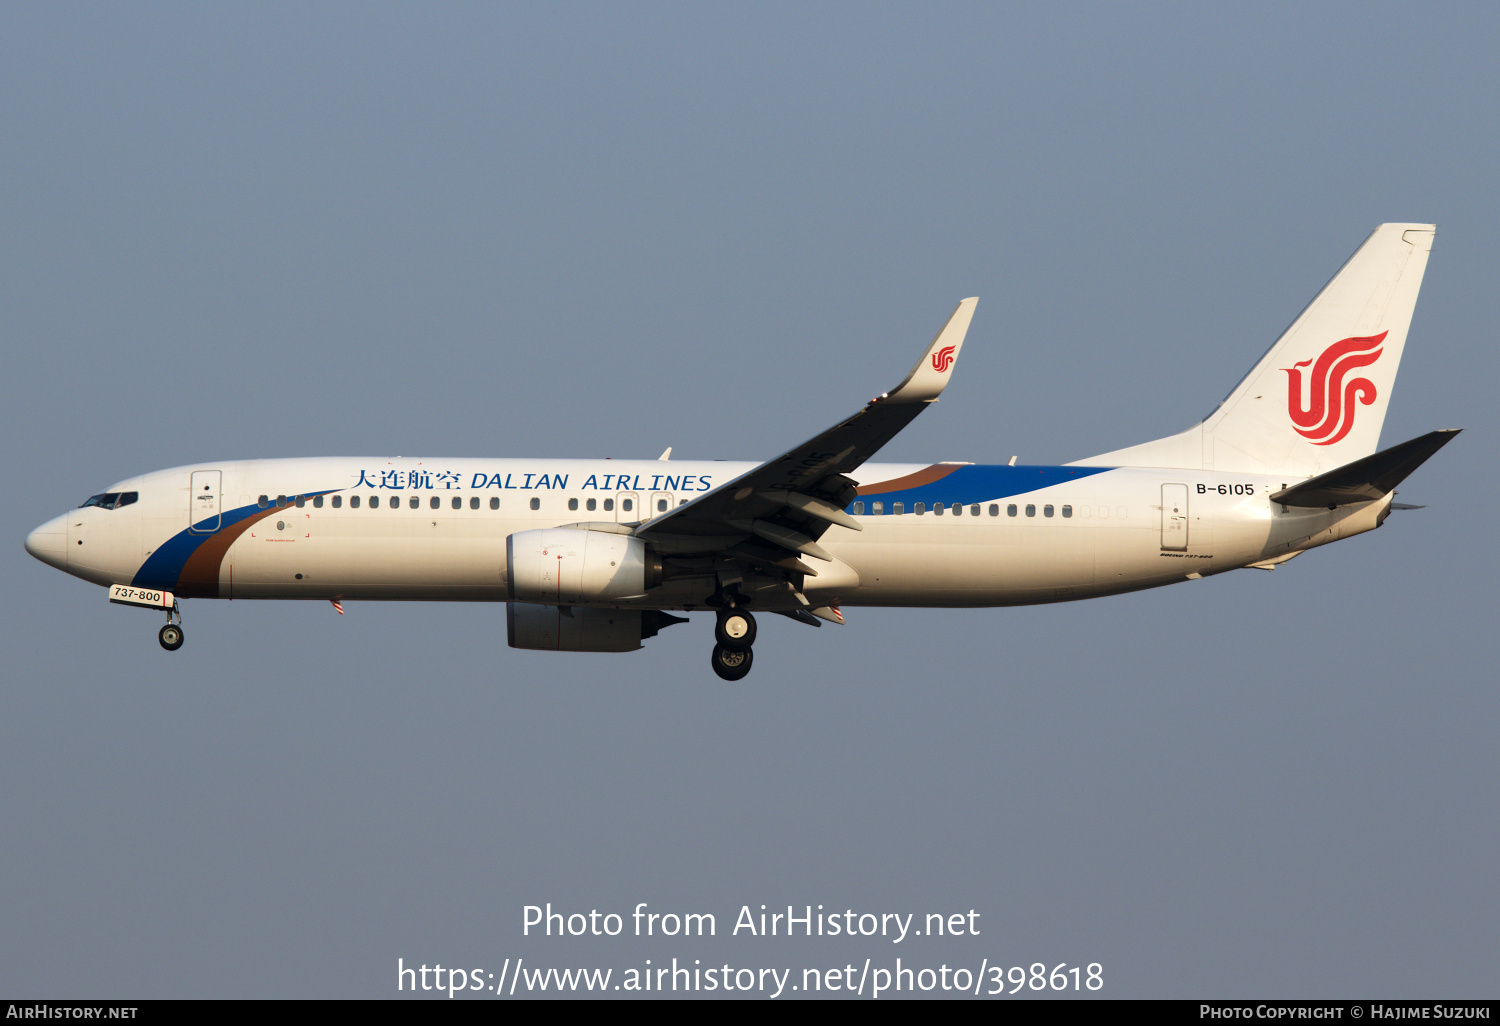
(1329, 414)
(943, 359)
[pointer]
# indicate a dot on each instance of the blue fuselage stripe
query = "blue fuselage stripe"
(978, 483)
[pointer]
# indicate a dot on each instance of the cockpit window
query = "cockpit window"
(111, 500)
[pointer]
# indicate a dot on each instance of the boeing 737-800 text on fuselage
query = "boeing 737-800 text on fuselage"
(589, 555)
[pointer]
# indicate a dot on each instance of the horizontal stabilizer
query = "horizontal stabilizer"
(1367, 479)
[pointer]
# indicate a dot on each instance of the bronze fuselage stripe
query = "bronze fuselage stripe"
(936, 472)
(200, 574)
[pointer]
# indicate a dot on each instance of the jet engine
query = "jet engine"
(564, 565)
(582, 629)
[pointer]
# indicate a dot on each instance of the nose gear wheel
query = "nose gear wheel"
(170, 637)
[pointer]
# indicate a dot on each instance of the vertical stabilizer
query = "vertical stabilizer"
(1317, 399)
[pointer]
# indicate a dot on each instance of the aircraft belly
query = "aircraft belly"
(969, 564)
(443, 558)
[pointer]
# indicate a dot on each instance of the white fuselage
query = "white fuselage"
(410, 529)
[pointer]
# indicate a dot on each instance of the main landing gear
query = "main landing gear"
(170, 636)
(735, 633)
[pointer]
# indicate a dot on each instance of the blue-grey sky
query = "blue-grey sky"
(232, 231)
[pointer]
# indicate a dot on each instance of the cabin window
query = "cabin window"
(859, 508)
(877, 508)
(897, 508)
(301, 501)
(354, 502)
(1010, 510)
(974, 510)
(317, 502)
(338, 500)
(536, 503)
(1047, 510)
(937, 509)
(591, 505)
(494, 502)
(958, 509)
(661, 505)
(572, 503)
(414, 502)
(919, 508)
(626, 505)
(609, 505)
(263, 501)
(1067, 512)
(994, 509)
(435, 502)
(1030, 510)
(280, 501)
(474, 502)
(457, 503)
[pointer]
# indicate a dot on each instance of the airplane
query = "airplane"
(598, 555)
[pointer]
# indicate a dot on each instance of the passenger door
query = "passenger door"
(204, 502)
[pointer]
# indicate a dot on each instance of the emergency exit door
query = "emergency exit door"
(1174, 517)
(627, 507)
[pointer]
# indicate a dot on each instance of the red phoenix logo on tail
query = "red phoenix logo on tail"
(1329, 413)
(943, 359)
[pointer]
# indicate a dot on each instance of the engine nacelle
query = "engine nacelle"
(581, 629)
(564, 565)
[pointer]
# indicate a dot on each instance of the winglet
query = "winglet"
(930, 376)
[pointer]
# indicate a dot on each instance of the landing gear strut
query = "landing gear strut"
(170, 636)
(735, 633)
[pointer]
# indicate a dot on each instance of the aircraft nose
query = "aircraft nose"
(49, 543)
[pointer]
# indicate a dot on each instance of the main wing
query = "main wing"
(766, 519)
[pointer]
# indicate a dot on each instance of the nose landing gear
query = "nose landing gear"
(170, 636)
(735, 633)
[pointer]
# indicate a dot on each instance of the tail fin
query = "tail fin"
(1317, 399)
